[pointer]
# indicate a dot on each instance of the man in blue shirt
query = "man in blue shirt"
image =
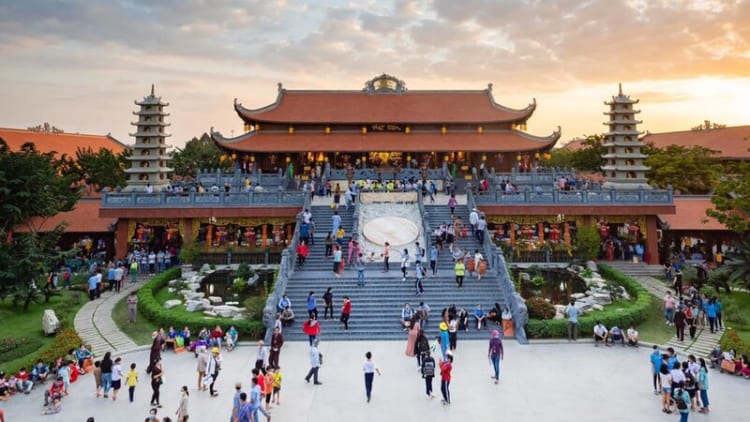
(480, 316)
(656, 362)
(283, 303)
(92, 286)
(245, 409)
(573, 313)
(111, 278)
(433, 259)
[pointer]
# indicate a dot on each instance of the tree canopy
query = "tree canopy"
(586, 158)
(693, 170)
(30, 187)
(732, 200)
(99, 169)
(198, 154)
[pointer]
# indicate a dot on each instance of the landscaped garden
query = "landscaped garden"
(212, 296)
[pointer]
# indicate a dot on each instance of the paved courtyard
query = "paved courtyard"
(540, 382)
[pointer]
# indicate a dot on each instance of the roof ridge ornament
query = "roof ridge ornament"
(489, 87)
(279, 86)
(385, 83)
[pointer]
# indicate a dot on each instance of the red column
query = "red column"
(652, 245)
(122, 238)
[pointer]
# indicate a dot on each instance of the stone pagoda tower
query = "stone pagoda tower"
(624, 167)
(149, 164)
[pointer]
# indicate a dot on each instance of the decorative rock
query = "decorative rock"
(172, 303)
(215, 300)
(50, 323)
(238, 317)
(205, 268)
(597, 307)
(226, 311)
(591, 265)
(173, 282)
(577, 296)
(193, 295)
(193, 286)
(170, 289)
(253, 280)
(210, 313)
(193, 305)
(602, 298)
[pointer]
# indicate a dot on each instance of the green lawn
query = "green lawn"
(19, 323)
(653, 329)
(140, 332)
(737, 313)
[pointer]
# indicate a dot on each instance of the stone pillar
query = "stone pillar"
(652, 244)
(540, 229)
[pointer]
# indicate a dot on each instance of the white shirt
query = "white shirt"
(600, 330)
(369, 367)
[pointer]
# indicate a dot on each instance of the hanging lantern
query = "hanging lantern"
(288, 159)
(320, 156)
(252, 158)
(446, 158)
(247, 127)
(234, 157)
(328, 130)
(518, 157)
(257, 127)
(443, 130)
(291, 130)
(484, 157)
(480, 129)
(408, 158)
(537, 155)
(222, 157)
(408, 130)
(364, 130)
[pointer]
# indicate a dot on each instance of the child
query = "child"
(446, 367)
(277, 386)
(64, 372)
(268, 386)
(131, 379)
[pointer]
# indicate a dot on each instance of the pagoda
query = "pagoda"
(149, 163)
(386, 126)
(624, 167)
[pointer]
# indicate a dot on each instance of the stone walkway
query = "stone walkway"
(704, 340)
(95, 325)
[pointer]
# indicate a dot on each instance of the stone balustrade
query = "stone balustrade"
(580, 197)
(200, 200)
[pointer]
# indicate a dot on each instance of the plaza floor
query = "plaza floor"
(548, 381)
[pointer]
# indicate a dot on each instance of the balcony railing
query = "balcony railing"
(200, 200)
(582, 197)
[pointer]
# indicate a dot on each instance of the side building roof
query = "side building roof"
(733, 143)
(60, 143)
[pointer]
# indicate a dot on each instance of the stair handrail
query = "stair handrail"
(488, 247)
(286, 269)
(355, 216)
(425, 224)
(515, 302)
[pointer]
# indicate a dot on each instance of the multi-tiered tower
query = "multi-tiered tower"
(149, 164)
(624, 167)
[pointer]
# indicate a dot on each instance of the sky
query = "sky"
(79, 65)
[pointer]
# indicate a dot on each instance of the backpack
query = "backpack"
(428, 368)
(679, 401)
(689, 313)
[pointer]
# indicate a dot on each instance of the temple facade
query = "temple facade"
(387, 128)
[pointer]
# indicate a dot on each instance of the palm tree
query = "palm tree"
(738, 263)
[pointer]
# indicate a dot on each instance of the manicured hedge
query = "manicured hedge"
(65, 340)
(632, 314)
(178, 318)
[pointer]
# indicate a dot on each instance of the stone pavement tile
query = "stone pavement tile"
(539, 382)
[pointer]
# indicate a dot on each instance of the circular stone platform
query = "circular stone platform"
(395, 230)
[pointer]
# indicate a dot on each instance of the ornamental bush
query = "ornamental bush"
(12, 348)
(65, 340)
(630, 312)
(540, 308)
(178, 318)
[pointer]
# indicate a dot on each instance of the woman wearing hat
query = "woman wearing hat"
(495, 353)
(212, 369)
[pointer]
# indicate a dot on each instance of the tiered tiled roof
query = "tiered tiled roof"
(690, 214)
(84, 218)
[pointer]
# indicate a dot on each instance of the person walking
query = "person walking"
(182, 409)
(212, 369)
(312, 309)
(496, 354)
(315, 362)
(156, 380)
(572, 313)
(337, 260)
(201, 368)
(428, 373)
(703, 385)
(433, 259)
(106, 367)
(460, 270)
(446, 367)
(328, 303)
(116, 378)
(419, 270)
(369, 368)
(311, 327)
(656, 361)
(679, 323)
(404, 264)
(261, 356)
(346, 310)
(277, 341)
(131, 379)
(359, 265)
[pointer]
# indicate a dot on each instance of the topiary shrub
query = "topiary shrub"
(540, 308)
(12, 348)
(732, 340)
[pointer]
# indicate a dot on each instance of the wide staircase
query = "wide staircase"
(636, 269)
(376, 307)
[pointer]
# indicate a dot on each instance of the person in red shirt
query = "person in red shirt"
(23, 383)
(217, 334)
(55, 390)
(346, 310)
(302, 252)
(446, 366)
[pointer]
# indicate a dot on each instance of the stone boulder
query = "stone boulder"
(597, 307)
(577, 296)
(215, 300)
(193, 305)
(602, 298)
(193, 295)
(50, 323)
(172, 303)
(227, 311)
(206, 303)
(209, 313)
(591, 265)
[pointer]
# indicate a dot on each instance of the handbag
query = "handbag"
(320, 358)
(208, 379)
